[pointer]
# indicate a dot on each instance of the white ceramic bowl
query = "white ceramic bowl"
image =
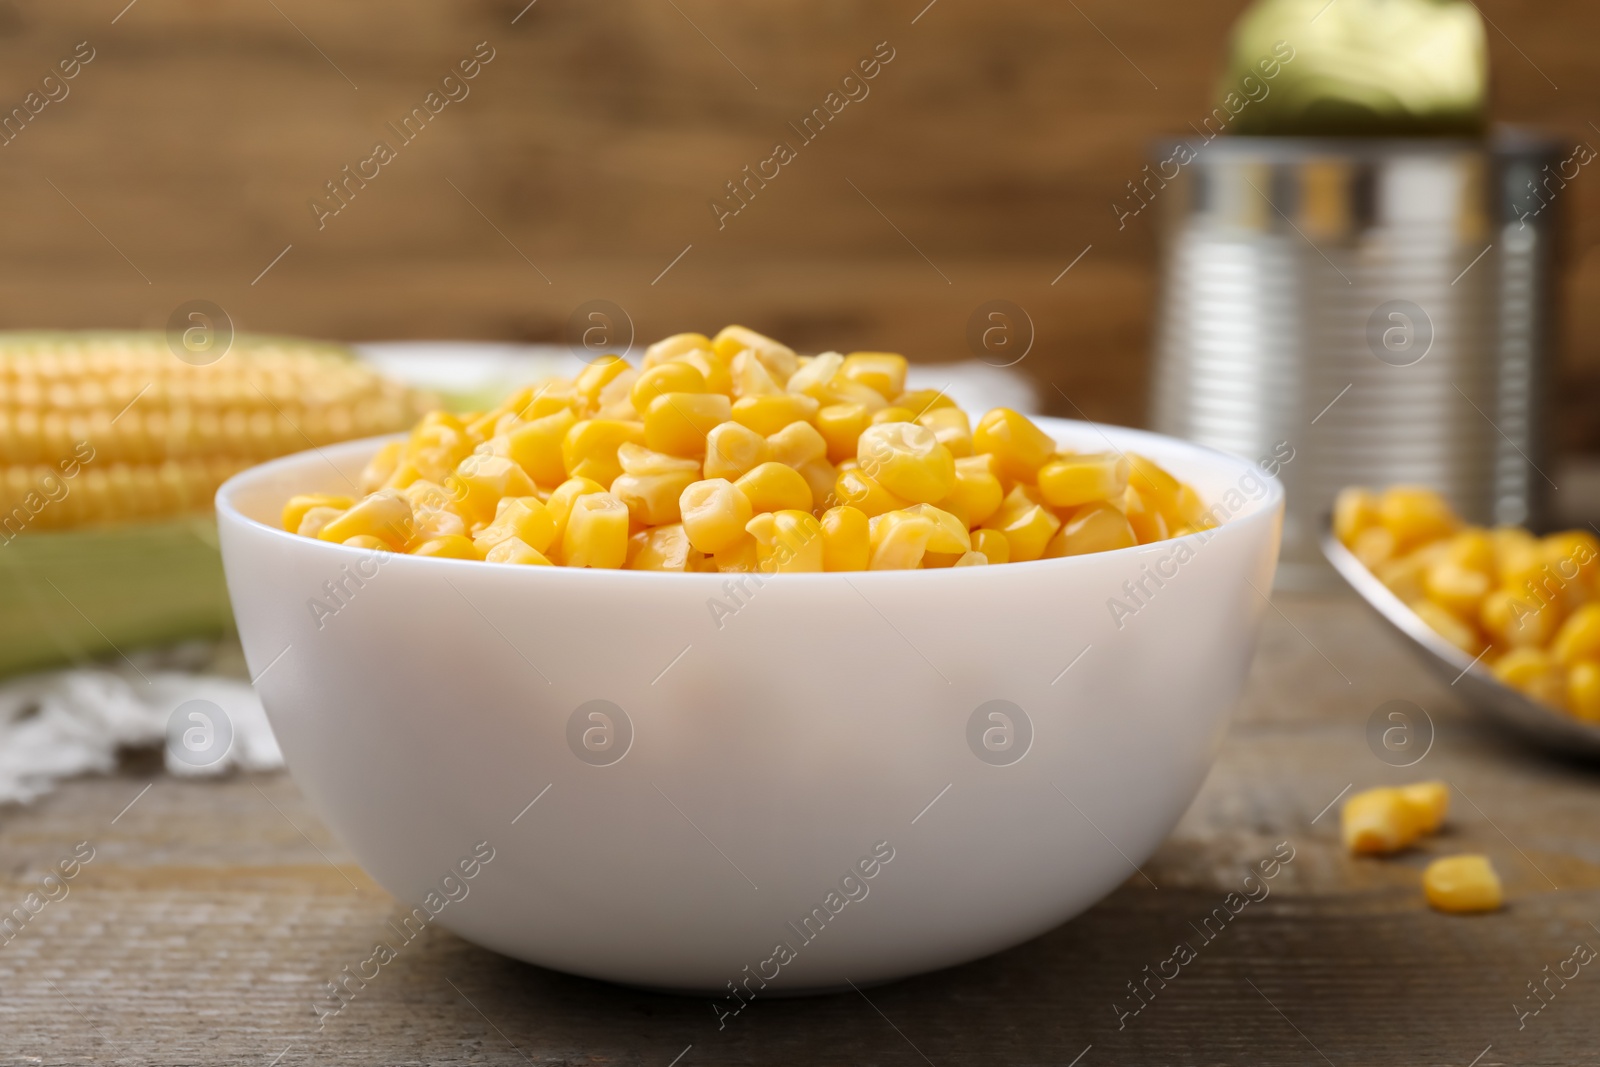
(805, 786)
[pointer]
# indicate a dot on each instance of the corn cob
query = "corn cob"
(144, 434)
(111, 449)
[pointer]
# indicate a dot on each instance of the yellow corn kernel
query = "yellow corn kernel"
(766, 415)
(1098, 527)
(846, 539)
(1072, 481)
(950, 426)
(559, 504)
(1462, 884)
(860, 490)
(1573, 550)
(883, 371)
(1192, 513)
(976, 493)
(711, 367)
(595, 377)
(664, 548)
(1159, 488)
(1453, 586)
(677, 423)
(893, 414)
(923, 401)
(971, 559)
(1373, 546)
(993, 545)
(1019, 446)
(1449, 625)
(841, 426)
(715, 512)
(535, 446)
(529, 403)
(820, 379)
(733, 450)
(797, 444)
(672, 347)
(751, 376)
(1472, 549)
(315, 519)
(651, 483)
(1583, 690)
(907, 460)
(778, 358)
(737, 558)
(434, 449)
(1577, 639)
(431, 523)
(385, 514)
(1354, 509)
(898, 540)
(774, 487)
(616, 397)
(589, 448)
(1514, 621)
(1026, 523)
(523, 517)
(1535, 673)
(787, 542)
(451, 546)
(368, 542)
(381, 467)
(674, 377)
(1403, 577)
(949, 533)
(597, 532)
(1149, 525)
(1518, 557)
(1415, 515)
(1429, 802)
(295, 510)
(516, 550)
(480, 481)
(821, 476)
(1378, 821)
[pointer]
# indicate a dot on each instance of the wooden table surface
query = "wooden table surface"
(212, 913)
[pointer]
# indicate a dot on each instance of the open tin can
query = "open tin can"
(1378, 311)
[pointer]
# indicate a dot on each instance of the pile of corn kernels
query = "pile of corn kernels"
(733, 453)
(1529, 605)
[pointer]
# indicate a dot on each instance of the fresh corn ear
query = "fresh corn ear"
(117, 427)
(111, 450)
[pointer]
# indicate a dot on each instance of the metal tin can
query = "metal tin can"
(1380, 310)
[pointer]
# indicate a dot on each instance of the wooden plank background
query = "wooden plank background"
(183, 160)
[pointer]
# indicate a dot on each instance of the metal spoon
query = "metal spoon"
(1478, 686)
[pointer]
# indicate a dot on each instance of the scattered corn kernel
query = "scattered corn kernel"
(1379, 821)
(1462, 884)
(1072, 481)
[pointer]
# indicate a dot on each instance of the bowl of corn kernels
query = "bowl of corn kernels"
(748, 668)
(1508, 616)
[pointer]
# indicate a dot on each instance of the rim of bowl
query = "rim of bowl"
(1258, 511)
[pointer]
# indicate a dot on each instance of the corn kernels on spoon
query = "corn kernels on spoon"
(1473, 682)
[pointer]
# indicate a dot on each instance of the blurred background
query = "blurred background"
(985, 161)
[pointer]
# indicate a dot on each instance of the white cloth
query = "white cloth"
(63, 723)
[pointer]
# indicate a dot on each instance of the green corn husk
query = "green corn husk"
(74, 595)
(1368, 68)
